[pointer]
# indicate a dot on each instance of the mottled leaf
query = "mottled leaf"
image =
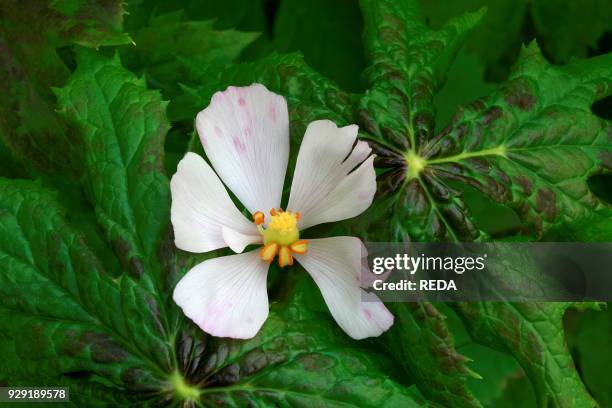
(156, 358)
(102, 322)
(122, 126)
(299, 358)
(31, 31)
(531, 146)
(408, 62)
(533, 334)
(62, 314)
(422, 343)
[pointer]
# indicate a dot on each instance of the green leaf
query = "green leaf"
(533, 334)
(408, 64)
(74, 315)
(299, 358)
(168, 37)
(588, 337)
(497, 40)
(422, 343)
(513, 146)
(327, 33)
(62, 314)
(530, 146)
(495, 369)
(30, 33)
(122, 126)
(564, 29)
(66, 320)
(570, 29)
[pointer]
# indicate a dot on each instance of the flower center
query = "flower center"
(281, 237)
(282, 228)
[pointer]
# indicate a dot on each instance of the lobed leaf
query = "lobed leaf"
(531, 146)
(408, 62)
(63, 315)
(116, 338)
(122, 126)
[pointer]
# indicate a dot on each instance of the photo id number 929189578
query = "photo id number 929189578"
(34, 394)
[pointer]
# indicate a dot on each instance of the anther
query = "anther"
(284, 257)
(258, 218)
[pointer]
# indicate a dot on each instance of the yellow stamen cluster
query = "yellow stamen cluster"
(281, 237)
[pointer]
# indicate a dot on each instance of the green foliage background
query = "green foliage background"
(490, 120)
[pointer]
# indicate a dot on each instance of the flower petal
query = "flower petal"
(201, 207)
(226, 296)
(335, 265)
(238, 241)
(245, 134)
(324, 189)
(352, 196)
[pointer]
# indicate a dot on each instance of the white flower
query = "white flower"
(245, 134)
